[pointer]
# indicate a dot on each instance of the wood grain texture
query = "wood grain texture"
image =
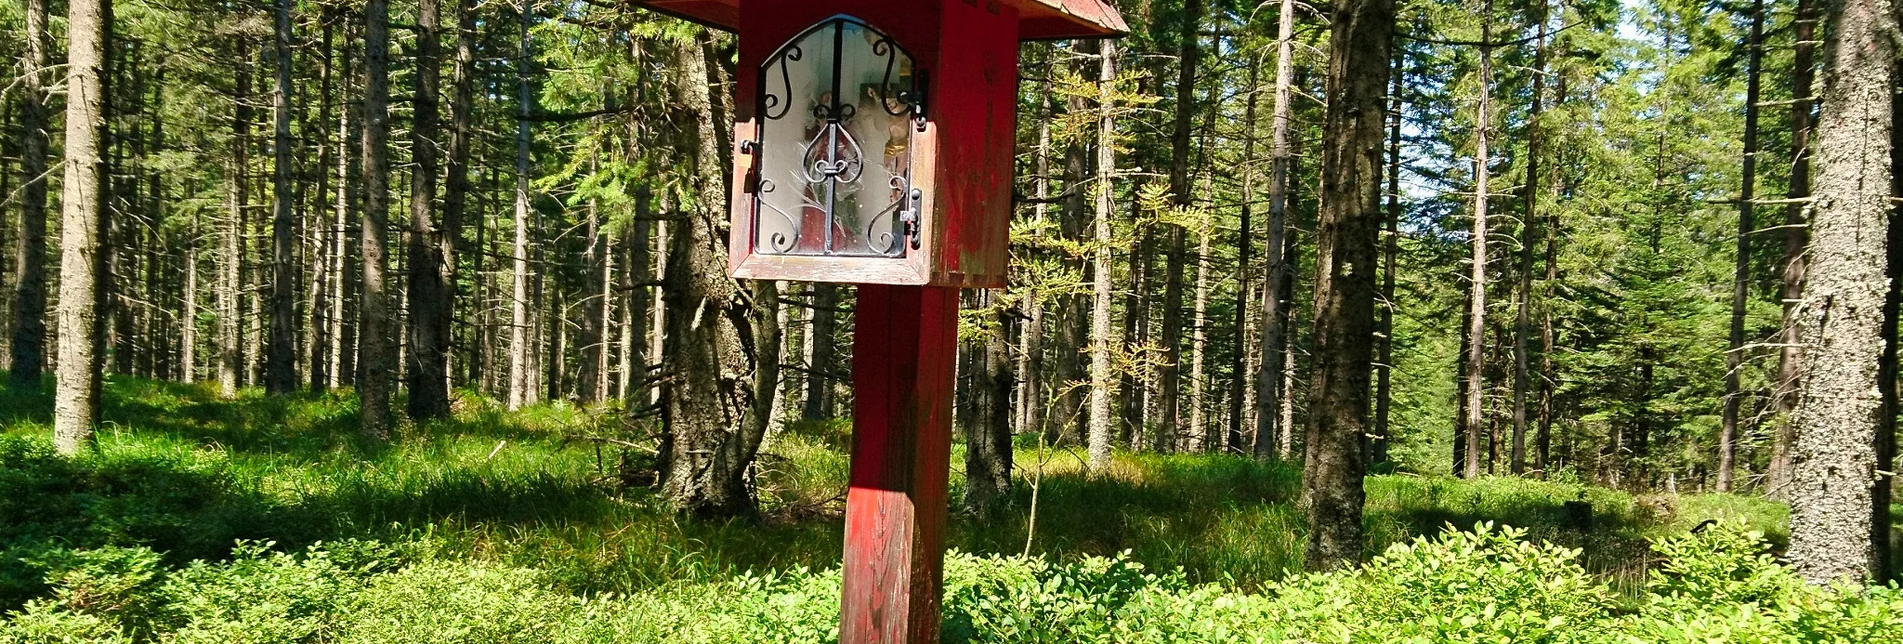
(974, 111)
(904, 351)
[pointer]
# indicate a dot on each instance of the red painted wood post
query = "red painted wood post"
(904, 348)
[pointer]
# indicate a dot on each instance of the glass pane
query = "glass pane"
(835, 149)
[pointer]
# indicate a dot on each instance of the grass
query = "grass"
(187, 474)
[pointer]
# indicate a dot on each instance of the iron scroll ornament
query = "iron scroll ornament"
(828, 97)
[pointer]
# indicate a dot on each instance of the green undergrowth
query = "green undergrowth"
(1485, 585)
(522, 502)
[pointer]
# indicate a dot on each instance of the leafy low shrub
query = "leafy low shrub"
(1488, 585)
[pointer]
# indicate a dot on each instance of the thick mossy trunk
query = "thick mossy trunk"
(1834, 459)
(1348, 235)
(722, 343)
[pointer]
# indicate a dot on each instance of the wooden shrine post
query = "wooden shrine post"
(901, 452)
(873, 145)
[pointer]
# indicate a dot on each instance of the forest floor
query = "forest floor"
(187, 475)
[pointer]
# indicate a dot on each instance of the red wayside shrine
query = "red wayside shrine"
(874, 145)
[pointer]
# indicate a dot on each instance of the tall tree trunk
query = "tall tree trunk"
(1884, 489)
(1166, 414)
(1102, 433)
(10, 150)
(818, 404)
(1031, 338)
(1292, 258)
(824, 353)
(1790, 363)
(83, 218)
(521, 382)
(1349, 229)
(1834, 458)
(1529, 240)
(1134, 386)
(988, 441)
(376, 355)
(343, 348)
(456, 191)
(1073, 376)
(1548, 379)
(1477, 280)
(28, 351)
(657, 323)
(156, 360)
(280, 368)
(9, 153)
(1741, 278)
(431, 294)
(722, 346)
(188, 316)
(119, 242)
(323, 238)
(604, 326)
(634, 277)
(231, 262)
(1269, 392)
(1390, 251)
(1198, 439)
(1245, 243)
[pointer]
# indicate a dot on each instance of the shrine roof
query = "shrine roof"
(1037, 19)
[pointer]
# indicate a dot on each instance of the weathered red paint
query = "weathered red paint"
(962, 161)
(901, 451)
(907, 316)
(975, 100)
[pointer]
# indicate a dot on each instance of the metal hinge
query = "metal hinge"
(909, 216)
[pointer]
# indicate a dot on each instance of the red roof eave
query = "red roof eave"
(1040, 19)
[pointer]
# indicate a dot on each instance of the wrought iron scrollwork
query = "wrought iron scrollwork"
(770, 101)
(782, 242)
(829, 161)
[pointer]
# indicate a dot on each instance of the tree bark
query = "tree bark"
(323, 320)
(1243, 246)
(28, 351)
(1360, 51)
(1790, 364)
(1269, 391)
(1101, 334)
(231, 261)
(280, 368)
(1885, 488)
(1741, 277)
(818, 404)
(722, 343)
(1031, 337)
(1548, 379)
(343, 349)
(1070, 397)
(1529, 240)
(1390, 250)
(458, 187)
(1166, 413)
(1834, 459)
(375, 332)
(988, 441)
(1245, 232)
(522, 389)
(431, 294)
(1477, 279)
(83, 219)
